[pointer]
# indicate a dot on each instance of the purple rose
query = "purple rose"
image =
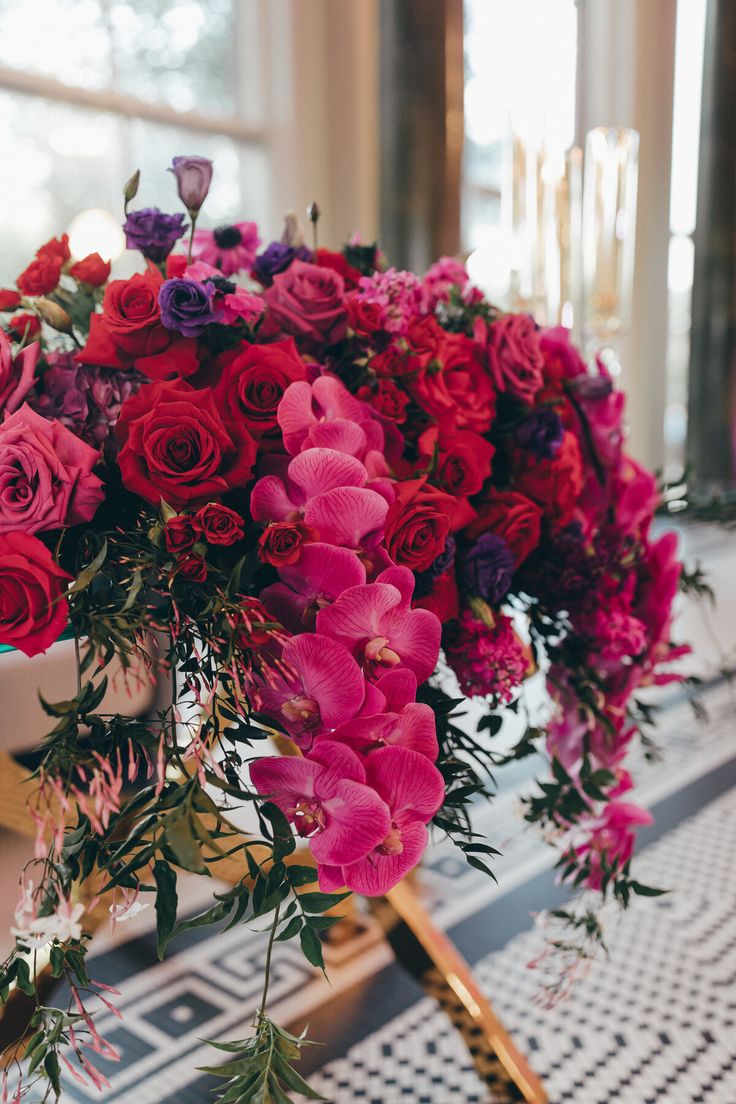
(308, 302)
(541, 433)
(186, 306)
(276, 258)
(487, 568)
(193, 179)
(153, 233)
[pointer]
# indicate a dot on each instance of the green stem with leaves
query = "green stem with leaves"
(267, 970)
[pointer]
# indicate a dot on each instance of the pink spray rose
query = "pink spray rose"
(46, 477)
(308, 301)
(16, 375)
(515, 358)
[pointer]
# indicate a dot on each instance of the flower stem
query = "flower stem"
(264, 997)
(191, 239)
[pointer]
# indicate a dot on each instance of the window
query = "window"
(102, 87)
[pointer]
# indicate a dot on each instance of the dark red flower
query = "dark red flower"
(253, 382)
(33, 609)
(281, 543)
(219, 524)
(417, 524)
(181, 532)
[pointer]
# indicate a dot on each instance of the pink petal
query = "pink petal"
(406, 781)
(358, 615)
(321, 469)
(286, 606)
(357, 821)
(415, 636)
(347, 437)
(417, 730)
(270, 501)
(328, 674)
(399, 687)
(339, 762)
(295, 414)
(348, 516)
(377, 873)
(402, 578)
(285, 781)
(330, 878)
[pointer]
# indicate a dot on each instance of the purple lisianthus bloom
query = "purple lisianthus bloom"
(423, 580)
(193, 179)
(153, 233)
(542, 433)
(276, 258)
(186, 306)
(487, 568)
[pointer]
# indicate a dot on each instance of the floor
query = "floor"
(655, 1022)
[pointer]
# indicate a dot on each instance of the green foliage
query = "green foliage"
(263, 1072)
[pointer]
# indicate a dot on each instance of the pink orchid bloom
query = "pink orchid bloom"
(322, 573)
(325, 413)
(413, 789)
(350, 517)
(381, 630)
(611, 836)
(310, 474)
(413, 727)
(326, 798)
(319, 687)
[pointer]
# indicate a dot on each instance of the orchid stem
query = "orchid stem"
(269, 951)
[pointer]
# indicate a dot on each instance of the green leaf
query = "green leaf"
(283, 837)
(290, 1077)
(87, 574)
(301, 875)
(292, 928)
(23, 978)
(166, 903)
(179, 834)
(647, 891)
(312, 948)
(320, 902)
(51, 1065)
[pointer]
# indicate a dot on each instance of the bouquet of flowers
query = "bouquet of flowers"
(288, 481)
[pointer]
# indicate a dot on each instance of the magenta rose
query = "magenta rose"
(33, 607)
(308, 301)
(46, 477)
(515, 359)
(16, 375)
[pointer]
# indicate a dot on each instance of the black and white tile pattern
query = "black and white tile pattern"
(661, 1004)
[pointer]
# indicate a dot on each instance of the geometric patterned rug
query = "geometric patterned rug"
(660, 1005)
(654, 1023)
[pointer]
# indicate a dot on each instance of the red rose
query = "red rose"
(365, 316)
(9, 300)
(509, 515)
(515, 358)
(33, 608)
(42, 275)
(393, 363)
(417, 524)
(281, 542)
(220, 524)
(192, 568)
(91, 270)
(556, 484)
(253, 382)
(308, 302)
(429, 391)
(467, 383)
(443, 599)
(387, 399)
(57, 247)
(131, 314)
(24, 326)
(424, 338)
(338, 263)
(181, 532)
(463, 459)
(177, 447)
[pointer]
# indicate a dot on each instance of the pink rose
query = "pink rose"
(308, 302)
(16, 376)
(46, 478)
(515, 358)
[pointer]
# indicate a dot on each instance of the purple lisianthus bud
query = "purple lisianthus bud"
(542, 433)
(487, 568)
(591, 387)
(153, 233)
(186, 306)
(276, 258)
(193, 179)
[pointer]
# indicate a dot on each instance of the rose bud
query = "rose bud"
(193, 179)
(24, 327)
(53, 315)
(9, 299)
(181, 532)
(219, 524)
(281, 542)
(130, 191)
(91, 270)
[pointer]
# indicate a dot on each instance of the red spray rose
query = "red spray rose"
(387, 399)
(556, 484)
(181, 532)
(365, 316)
(509, 515)
(131, 313)
(57, 247)
(253, 382)
(91, 270)
(281, 542)
(220, 524)
(24, 326)
(337, 262)
(41, 276)
(467, 383)
(417, 524)
(176, 445)
(463, 459)
(9, 299)
(33, 609)
(191, 567)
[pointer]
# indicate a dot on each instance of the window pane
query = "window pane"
(60, 161)
(178, 52)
